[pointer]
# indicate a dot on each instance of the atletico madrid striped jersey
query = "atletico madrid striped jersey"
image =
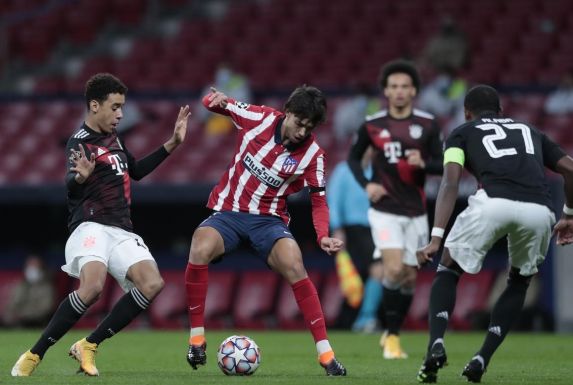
(263, 172)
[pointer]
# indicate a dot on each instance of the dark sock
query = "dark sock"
(442, 302)
(69, 312)
(125, 310)
(406, 297)
(504, 314)
(391, 301)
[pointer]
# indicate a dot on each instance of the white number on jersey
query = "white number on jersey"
(499, 134)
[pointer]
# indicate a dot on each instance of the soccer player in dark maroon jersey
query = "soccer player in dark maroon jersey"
(508, 157)
(407, 146)
(276, 155)
(102, 240)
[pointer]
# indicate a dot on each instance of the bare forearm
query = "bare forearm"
(445, 203)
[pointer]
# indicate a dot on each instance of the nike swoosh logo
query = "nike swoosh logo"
(315, 321)
(194, 307)
(286, 232)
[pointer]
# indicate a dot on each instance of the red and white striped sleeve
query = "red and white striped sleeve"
(245, 116)
(315, 179)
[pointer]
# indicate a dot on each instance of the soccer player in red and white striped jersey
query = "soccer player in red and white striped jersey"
(276, 155)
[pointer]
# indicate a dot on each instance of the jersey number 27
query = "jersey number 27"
(500, 134)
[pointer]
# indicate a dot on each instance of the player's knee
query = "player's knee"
(201, 253)
(152, 287)
(516, 279)
(393, 273)
(91, 293)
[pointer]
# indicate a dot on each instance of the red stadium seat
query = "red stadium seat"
(255, 298)
(472, 296)
(220, 298)
(331, 298)
(287, 312)
(8, 281)
(169, 309)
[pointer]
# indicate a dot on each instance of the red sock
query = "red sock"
(309, 304)
(196, 278)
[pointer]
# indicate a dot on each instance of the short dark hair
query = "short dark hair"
(399, 66)
(99, 86)
(482, 98)
(307, 102)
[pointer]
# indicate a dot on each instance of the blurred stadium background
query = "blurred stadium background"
(167, 52)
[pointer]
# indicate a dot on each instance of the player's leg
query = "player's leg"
(416, 235)
(130, 263)
(392, 302)
(86, 259)
(442, 301)
(207, 244)
(285, 257)
(528, 243)
(505, 312)
(147, 284)
(92, 280)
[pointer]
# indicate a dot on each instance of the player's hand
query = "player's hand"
(426, 253)
(375, 191)
(217, 99)
(564, 230)
(180, 129)
(414, 158)
(331, 245)
(81, 165)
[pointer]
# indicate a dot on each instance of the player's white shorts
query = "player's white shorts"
(118, 249)
(390, 231)
(485, 220)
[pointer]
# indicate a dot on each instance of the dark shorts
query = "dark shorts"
(259, 232)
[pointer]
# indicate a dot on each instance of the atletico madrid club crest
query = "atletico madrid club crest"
(289, 165)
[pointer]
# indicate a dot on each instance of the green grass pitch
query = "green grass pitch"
(156, 357)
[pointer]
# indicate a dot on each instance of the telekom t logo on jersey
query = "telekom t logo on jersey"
(393, 151)
(117, 164)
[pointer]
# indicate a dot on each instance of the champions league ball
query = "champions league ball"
(238, 356)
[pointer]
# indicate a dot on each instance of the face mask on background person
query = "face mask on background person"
(33, 274)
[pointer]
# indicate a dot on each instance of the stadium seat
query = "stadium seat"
(331, 298)
(8, 280)
(220, 298)
(287, 312)
(254, 302)
(472, 296)
(169, 309)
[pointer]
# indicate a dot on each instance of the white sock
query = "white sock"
(323, 346)
(197, 332)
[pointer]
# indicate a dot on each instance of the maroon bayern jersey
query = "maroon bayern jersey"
(391, 140)
(105, 196)
(264, 172)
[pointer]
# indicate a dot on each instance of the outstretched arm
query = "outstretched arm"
(139, 169)
(179, 131)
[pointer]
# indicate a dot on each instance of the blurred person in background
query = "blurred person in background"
(351, 112)
(32, 300)
(508, 159)
(232, 84)
(276, 155)
(407, 145)
(348, 204)
(102, 240)
(446, 51)
(560, 101)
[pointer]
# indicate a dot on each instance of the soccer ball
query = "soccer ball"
(238, 356)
